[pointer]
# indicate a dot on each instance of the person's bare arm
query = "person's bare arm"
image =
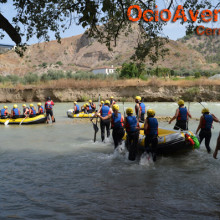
(106, 117)
(200, 124)
(188, 113)
(217, 148)
(215, 118)
(175, 116)
(145, 126)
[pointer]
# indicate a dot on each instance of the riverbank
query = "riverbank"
(152, 91)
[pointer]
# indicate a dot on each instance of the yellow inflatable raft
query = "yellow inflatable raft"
(79, 115)
(35, 120)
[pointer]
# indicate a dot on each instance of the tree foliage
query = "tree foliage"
(105, 20)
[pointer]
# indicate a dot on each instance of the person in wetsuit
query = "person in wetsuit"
(205, 124)
(182, 115)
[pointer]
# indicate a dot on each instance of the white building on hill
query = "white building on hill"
(104, 70)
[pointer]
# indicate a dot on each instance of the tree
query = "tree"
(105, 20)
(129, 70)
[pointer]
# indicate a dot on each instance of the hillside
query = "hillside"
(80, 53)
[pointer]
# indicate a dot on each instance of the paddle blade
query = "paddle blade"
(96, 129)
(6, 123)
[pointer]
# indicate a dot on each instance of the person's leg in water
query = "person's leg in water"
(154, 142)
(207, 141)
(133, 146)
(102, 126)
(107, 124)
(217, 148)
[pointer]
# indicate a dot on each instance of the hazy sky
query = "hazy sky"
(172, 30)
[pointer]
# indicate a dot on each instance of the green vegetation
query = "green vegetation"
(59, 63)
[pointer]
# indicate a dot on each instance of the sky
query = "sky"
(172, 30)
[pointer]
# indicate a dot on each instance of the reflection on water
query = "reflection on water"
(55, 171)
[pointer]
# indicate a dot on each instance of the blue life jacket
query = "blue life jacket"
(142, 106)
(131, 123)
(33, 112)
(152, 126)
(3, 112)
(90, 108)
(182, 114)
(105, 110)
(15, 111)
(117, 121)
(77, 107)
(208, 120)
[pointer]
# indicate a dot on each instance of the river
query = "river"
(55, 171)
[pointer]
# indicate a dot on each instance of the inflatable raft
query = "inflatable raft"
(79, 115)
(35, 120)
(169, 141)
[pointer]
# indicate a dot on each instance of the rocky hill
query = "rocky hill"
(80, 53)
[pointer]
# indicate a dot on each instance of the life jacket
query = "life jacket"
(117, 122)
(105, 111)
(24, 110)
(131, 123)
(15, 111)
(48, 105)
(32, 111)
(89, 108)
(207, 121)
(142, 108)
(182, 114)
(41, 108)
(3, 113)
(112, 102)
(77, 108)
(92, 106)
(152, 126)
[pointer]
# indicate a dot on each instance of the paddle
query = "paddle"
(95, 128)
(23, 120)
(6, 122)
(124, 108)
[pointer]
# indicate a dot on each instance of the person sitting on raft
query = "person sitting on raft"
(84, 108)
(205, 125)
(32, 111)
(15, 112)
(76, 108)
(92, 105)
(105, 123)
(140, 109)
(151, 133)
(26, 110)
(40, 109)
(4, 112)
(182, 116)
(132, 128)
(117, 125)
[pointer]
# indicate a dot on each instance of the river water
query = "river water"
(55, 171)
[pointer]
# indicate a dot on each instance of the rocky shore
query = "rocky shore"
(121, 93)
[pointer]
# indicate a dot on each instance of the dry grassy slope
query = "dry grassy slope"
(79, 52)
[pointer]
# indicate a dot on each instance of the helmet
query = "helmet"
(90, 101)
(115, 107)
(107, 102)
(31, 105)
(39, 104)
(75, 102)
(24, 105)
(180, 102)
(5, 107)
(102, 102)
(84, 105)
(129, 111)
(111, 97)
(48, 98)
(205, 110)
(15, 106)
(138, 98)
(87, 104)
(150, 112)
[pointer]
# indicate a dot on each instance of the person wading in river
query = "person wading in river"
(205, 125)
(49, 109)
(105, 123)
(151, 132)
(117, 125)
(182, 115)
(140, 109)
(132, 129)
(217, 148)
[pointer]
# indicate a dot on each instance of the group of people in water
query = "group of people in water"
(30, 111)
(111, 117)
